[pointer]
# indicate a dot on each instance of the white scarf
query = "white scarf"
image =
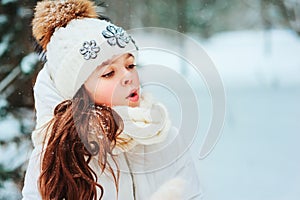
(147, 124)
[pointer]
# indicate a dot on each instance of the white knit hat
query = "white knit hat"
(76, 42)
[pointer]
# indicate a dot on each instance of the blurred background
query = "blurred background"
(255, 46)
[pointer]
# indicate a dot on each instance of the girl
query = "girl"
(97, 136)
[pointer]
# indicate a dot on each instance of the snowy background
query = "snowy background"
(257, 156)
(255, 47)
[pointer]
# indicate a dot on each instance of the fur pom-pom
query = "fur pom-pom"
(51, 14)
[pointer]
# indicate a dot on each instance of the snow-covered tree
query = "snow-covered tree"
(17, 70)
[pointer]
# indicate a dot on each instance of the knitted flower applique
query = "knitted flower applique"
(116, 35)
(89, 50)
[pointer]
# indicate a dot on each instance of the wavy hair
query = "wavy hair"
(79, 132)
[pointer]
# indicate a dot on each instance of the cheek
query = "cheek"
(104, 93)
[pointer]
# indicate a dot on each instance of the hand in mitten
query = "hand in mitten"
(171, 190)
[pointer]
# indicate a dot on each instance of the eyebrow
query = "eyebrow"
(109, 61)
(104, 63)
(129, 55)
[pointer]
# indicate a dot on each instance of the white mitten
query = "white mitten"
(171, 190)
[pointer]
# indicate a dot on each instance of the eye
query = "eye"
(131, 66)
(109, 74)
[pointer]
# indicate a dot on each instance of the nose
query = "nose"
(127, 79)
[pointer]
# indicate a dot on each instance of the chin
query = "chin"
(133, 104)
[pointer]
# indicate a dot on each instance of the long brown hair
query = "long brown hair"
(79, 132)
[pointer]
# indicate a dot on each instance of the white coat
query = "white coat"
(175, 181)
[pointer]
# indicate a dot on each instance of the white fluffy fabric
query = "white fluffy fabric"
(147, 124)
(46, 97)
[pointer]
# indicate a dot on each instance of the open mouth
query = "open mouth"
(133, 96)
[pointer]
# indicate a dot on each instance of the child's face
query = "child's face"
(115, 82)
